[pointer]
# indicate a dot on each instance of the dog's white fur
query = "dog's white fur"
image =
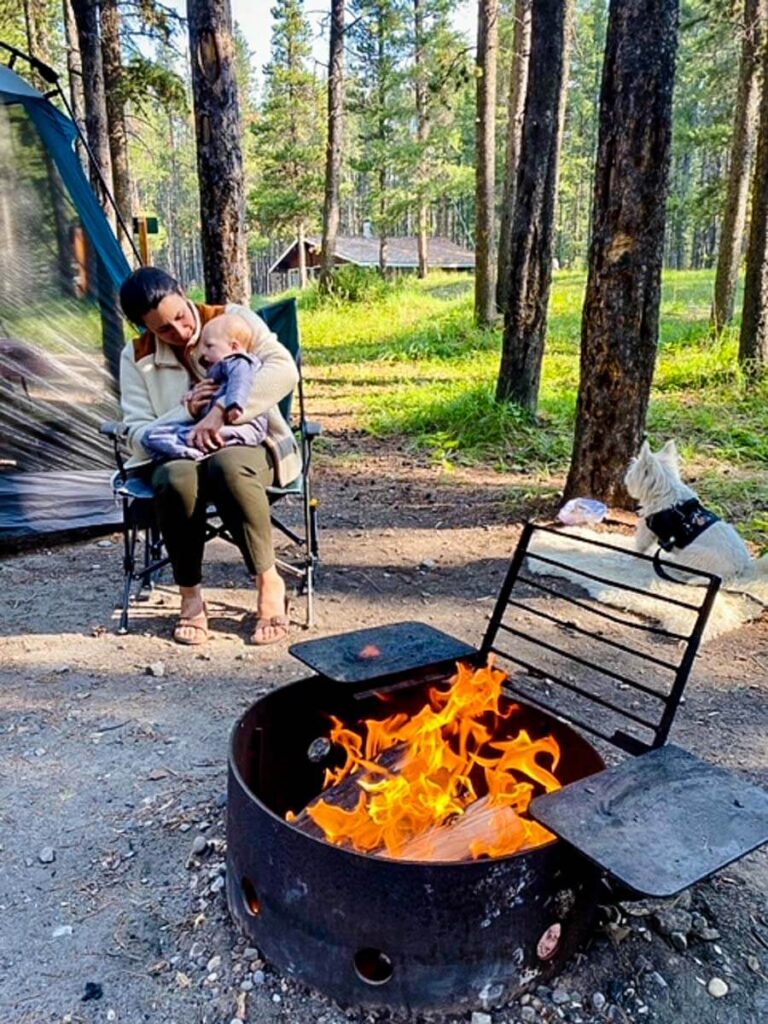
(653, 479)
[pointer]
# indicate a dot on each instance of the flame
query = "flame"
(442, 770)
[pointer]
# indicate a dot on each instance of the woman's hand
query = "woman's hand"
(205, 434)
(198, 396)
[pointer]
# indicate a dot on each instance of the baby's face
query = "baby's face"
(215, 345)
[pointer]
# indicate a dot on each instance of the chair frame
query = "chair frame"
(140, 523)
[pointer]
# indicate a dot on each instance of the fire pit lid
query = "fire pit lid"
(659, 822)
(383, 651)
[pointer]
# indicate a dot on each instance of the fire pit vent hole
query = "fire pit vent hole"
(252, 901)
(372, 966)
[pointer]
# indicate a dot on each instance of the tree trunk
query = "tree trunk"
(518, 83)
(620, 320)
(75, 75)
(422, 133)
(742, 156)
(87, 19)
(485, 160)
(753, 340)
(112, 58)
(219, 155)
(333, 152)
(530, 256)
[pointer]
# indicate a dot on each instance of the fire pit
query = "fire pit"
(378, 916)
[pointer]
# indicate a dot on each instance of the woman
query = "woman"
(161, 380)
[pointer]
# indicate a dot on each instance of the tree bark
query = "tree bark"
(485, 160)
(301, 250)
(742, 157)
(422, 133)
(753, 340)
(87, 19)
(620, 319)
(219, 155)
(112, 59)
(530, 255)
(518, 84)
(334, 146)
(75, 75)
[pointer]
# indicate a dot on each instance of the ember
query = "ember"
(446, 783)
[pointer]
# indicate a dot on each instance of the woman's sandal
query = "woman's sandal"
(198, 623)
(281, 623)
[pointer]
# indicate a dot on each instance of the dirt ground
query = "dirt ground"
(113, 773)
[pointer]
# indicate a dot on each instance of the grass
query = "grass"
(411, 363)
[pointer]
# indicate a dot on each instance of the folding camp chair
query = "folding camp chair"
(137, 496)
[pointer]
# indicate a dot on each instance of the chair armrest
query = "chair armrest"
(312, 429)
(114, 429)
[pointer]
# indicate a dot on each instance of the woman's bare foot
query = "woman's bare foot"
(272, 623)
(192, 626)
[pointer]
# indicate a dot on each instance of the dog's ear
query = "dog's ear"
(645, 450)
(670, 453)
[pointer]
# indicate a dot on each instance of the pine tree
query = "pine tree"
(334, 143)
(620, 321)
(485, 171)
(289, 192)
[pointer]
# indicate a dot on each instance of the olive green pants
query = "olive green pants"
(234, 479)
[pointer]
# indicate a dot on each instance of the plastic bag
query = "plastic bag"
(579, 511)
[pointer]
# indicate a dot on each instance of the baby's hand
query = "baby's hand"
(232, 413)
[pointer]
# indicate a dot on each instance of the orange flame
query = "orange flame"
(449, 789)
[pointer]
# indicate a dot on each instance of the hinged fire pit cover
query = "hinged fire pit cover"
(383, 651)
(659, 822)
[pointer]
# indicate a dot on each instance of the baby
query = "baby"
(223, 350)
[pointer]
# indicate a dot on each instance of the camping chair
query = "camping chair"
(137, 496)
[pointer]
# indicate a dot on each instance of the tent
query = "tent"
(60, 329)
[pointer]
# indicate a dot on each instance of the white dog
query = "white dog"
(671, 517)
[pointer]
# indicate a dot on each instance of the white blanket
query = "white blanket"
(738, 602)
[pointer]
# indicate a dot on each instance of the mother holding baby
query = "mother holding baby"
(162, 382)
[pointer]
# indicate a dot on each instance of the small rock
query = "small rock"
(671, 920)
(218, 884)
(527, 1014)
(598, 1001)
(62, 670)
(111, 1015)
(276, 998)
(156, 668)
(61, 930)
(246, 985)
(236, 1020)
(428, 563)
(660, 980)
(560, 996)
(199, 844)
(213, 964)
(250, 953)
(679, 941)
(103, 543)
(47, 855)
(708, 934)
(717, 988)
(259, 977)
(481, 1018)
(753, 963)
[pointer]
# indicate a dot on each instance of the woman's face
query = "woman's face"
(172, 321)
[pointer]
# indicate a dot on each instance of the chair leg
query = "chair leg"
(309, 584)
(130, 534)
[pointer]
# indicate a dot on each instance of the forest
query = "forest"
(572, 147)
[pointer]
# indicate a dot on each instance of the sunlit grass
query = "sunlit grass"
(412, 364)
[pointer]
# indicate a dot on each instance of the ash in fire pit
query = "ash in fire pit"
(451, 781)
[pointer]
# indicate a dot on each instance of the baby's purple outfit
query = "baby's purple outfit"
(234, 374)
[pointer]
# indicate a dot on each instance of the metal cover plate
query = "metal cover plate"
(659, 822)
(385, 650)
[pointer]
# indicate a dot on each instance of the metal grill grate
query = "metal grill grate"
(566, 647)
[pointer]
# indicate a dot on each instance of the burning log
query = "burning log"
(451, 782)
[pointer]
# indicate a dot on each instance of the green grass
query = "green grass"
(411, 363)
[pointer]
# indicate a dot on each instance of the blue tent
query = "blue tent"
(60, 329)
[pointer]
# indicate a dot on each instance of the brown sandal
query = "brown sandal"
(282, 623)
(199, 623)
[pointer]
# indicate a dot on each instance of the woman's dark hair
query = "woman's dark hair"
(144, 290)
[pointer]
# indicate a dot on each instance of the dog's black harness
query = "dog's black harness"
(680, 525)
